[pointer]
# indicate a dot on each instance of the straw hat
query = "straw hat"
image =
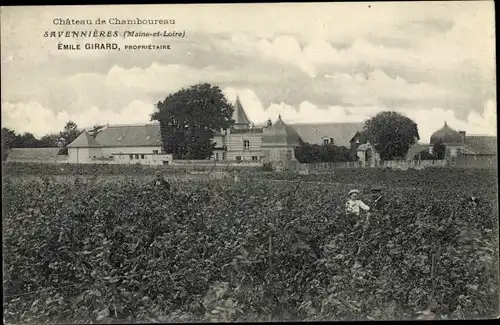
(352, 192)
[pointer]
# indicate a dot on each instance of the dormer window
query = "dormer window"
(326, 141)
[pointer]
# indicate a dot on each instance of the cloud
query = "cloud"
(39, 120)
(377, 88)
(428, 121)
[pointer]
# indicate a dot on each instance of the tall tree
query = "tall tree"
(439, 149)
(391, 133)
(189, 119)
(68, 135)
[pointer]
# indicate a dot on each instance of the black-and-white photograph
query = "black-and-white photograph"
(262, 162)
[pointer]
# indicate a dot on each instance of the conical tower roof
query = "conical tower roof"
(239, 116)
(84, 140)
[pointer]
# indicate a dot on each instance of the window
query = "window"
(142, 156)
(326, 141)
(111, 157)
(131, 157)
(155, 151)
(238, 158)
(223, 155)
(136, 156)
(246, 145)
(255, 158)
(216, 156)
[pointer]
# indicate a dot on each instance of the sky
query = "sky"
(314, 62)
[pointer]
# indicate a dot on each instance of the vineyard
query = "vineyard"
(271, 247)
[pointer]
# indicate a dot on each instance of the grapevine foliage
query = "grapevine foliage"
(115, 249)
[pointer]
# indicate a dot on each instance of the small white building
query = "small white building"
(368, 155)
(120, 144)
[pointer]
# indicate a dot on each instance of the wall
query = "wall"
(481, 161)
(144, 159)
(331, 165)
(108, 151)
(402, 164)
(235, 146)
(79, 155)
(211, 163)
(396, 164)
(219, 140)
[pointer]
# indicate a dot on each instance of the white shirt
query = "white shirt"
(352, 206)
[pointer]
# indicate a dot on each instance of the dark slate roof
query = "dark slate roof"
(341, 133)
(144, 135)
(250, 130)
(415, 149)
(446, 135)
(280, 133)
(84, 140)
(239, 115)
(28, 154)
(481, 144)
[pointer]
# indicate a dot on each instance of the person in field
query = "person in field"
(377, 198)
(161, 182)
(354, 206)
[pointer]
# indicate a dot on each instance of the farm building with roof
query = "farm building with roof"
(461, 149)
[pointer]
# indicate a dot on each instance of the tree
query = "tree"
(50, 141)
(28, 140)
(96, 129)
(391, 133)
(9, 139)
(189, 119)
(439, 149)
(69, 133)
(312, 153)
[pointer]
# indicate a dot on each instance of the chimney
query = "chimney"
(269, 123)
(462, 135)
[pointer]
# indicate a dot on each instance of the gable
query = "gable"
(84, 140)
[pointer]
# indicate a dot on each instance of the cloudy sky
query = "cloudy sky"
(338, 62)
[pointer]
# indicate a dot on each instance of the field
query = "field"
(112, 248)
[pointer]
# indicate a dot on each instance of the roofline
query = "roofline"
(113, 146)
(325, 123)
(480, 135)
(131, 125)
